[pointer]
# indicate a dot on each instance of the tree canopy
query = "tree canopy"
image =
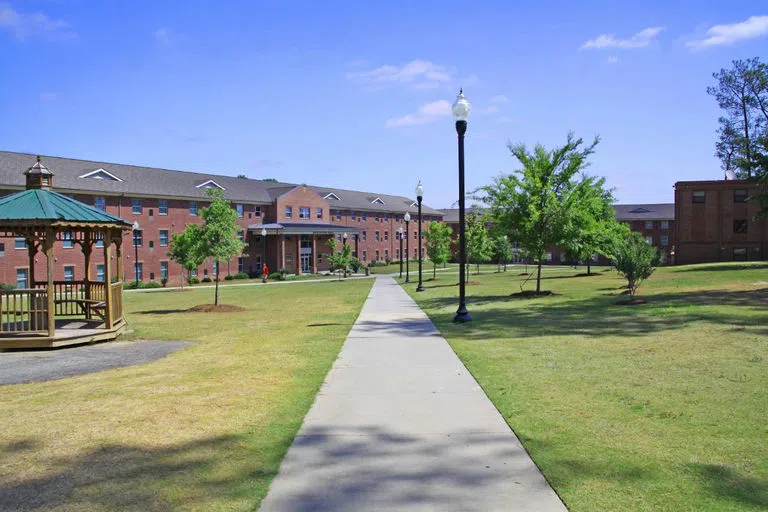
(636, 260)
(501, 250)
(184, 249)
(478, 241)
(438, 244)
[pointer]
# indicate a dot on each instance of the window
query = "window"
(376, 218)
(649, 240)
(665, 224)
(288, 212)
(239, 209)
(100, 203)
(365, 255)
(241, 236)
(386, 254)
(353, 215)
(377, 256)
(739, 254)
(397, 252)
(319, 213)
(257, 211)
(376, 236)
(193, 273)
(163, 237)
(139, 270)
(338, 214)
(365, 235)
(240, 265)
(136, 206)
(415, 235)
(69, 273)
(193, 208)
(100, 272)
(365, 216)
(740, 226)
(549, 256)
(2, 249)
(699, 197)
(664, 240)
(20, 243)
(649, 224)
(162, 207)
(386, 235)
(304, 212)
(138, 237)
(22, 278)
(740, 196)
(289, 261)
(415, 254)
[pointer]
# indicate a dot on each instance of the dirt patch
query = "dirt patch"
(212, 308)
(532, 294)
(472, 283)
(584, 274)
(523, 273)
(630, 302)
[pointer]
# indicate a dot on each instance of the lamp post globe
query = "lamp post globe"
(136, 228)
(460, 111)
(400, 236)
(407, 219)
(419, 197)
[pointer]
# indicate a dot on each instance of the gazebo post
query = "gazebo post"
(32, 248)
(86, 246)
(119, 257)
(48, 247)
(108, 277)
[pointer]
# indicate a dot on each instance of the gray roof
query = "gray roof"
(661, 211)
(451, 215)
(302, 228)
(155, 182)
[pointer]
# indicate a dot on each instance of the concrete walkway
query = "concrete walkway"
(400, 424)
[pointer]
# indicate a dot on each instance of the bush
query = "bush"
(206, 279)
(151, 284)
(276, 276)
(355, 264)
(229, 277)
(387, 260)
(253, 275)
(242, 275)
(193, 280)
(164, 281)
(7, 287)
(283, 272)
(635, 260)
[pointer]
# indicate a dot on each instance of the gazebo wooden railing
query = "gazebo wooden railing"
(24, 311)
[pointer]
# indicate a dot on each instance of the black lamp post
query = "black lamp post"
(419, 197)
(400, 233)
(263, 249)
(407, 220)
(344, 237)
(136, 228)
(461, 113)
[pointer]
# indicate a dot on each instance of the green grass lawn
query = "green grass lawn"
(203, 429)
(661, 406)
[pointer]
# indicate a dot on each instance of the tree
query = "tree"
(184, 249)
(478, 243)
(219, 237)
(742, 93)
(537, 202)
(438, 244)
(501, 250)
(636, 260)
(592, 224)
(339, 260)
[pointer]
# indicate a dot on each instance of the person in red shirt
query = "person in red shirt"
(264, 273)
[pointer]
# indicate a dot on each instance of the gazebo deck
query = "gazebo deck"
(69, 331)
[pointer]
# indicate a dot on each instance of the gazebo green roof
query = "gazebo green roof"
(49, 207)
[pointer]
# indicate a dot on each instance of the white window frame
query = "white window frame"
(162, 204)
(193, 208)
(305, 212)
(160, 237)
(100, 203)
(163, 270)
(72, 269)
(134, 203)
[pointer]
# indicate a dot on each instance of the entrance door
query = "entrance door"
(306, 263)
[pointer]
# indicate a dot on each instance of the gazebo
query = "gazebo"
(54, 313)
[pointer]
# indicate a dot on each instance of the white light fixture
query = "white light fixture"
(407, 217)
(136, 225)
(419, 190)
(461, 108)
(400, 230)
(346, 236)
(263, 231)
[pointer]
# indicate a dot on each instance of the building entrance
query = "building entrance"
(306, 255)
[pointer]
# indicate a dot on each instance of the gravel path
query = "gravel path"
(39, 366)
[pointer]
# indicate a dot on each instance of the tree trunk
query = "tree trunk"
(434, 271)
(538, 274)
(182, 278)
(216, 295)
(589, 267)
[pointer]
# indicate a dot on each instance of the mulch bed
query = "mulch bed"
(212, 308)
(532, 294)
(629, 302)
(472, 283)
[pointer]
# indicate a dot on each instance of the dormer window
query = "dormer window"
(100, 174)
(210, 184)
(378, 200)
(639, 210)
(332, 196)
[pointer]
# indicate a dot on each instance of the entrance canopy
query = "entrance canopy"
(302, 228)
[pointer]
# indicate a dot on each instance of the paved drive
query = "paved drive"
(400, 424)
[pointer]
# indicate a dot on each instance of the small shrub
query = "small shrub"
(387, 260)
(635, 260)
(355, 264)
(229, 277)
(149, 285)
(193, 280)
(206, 279)
(276, 276)
(241, 275)
(7, 287)
(283, 272)
(164, 281)
(253, 275)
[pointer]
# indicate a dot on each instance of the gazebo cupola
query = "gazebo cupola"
(39, 176)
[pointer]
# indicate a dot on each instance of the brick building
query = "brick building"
(298, 219)
(715, 222)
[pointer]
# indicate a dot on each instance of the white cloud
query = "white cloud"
(754, 26)
(612, 60)
(639, 40)
(499, 98)
(24, 25)
(417, 74)
(427, 113)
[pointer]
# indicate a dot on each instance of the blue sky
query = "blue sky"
(356, 94)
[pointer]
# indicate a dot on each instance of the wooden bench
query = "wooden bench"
(88, 306)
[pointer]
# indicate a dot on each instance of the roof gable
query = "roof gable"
(332, 196)
(100, 174)
(210, 184)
